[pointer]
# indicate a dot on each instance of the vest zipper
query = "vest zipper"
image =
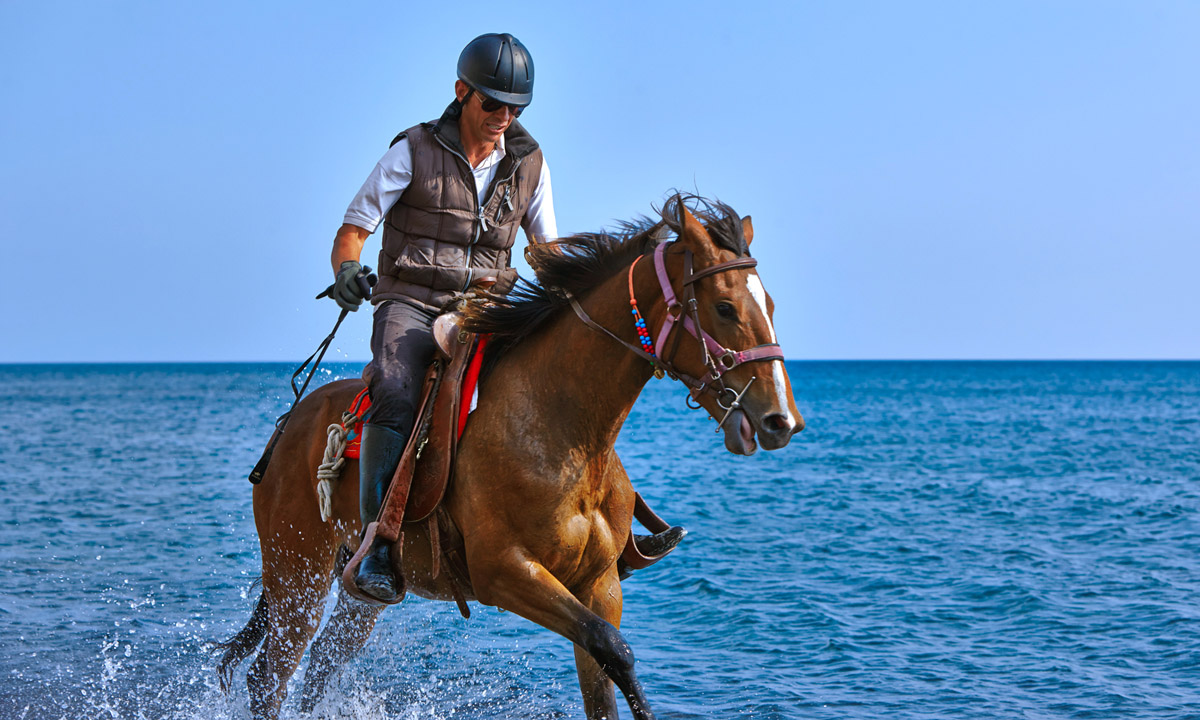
(496, 183)
(506, 204)
(479, 214)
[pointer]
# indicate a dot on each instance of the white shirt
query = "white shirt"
(393, 173)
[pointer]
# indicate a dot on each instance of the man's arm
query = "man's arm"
(348, 245)
(374, 200)
(539, 222)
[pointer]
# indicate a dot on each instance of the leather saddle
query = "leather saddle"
(425, 467)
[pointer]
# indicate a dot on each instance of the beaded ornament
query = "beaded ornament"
(639, 323)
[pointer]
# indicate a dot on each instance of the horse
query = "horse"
(539, 498)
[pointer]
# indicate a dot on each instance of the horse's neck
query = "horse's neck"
(587, 382)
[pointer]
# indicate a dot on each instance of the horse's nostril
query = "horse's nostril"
(777, 423)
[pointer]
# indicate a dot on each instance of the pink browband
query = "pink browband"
(718, 360)
(725, 359)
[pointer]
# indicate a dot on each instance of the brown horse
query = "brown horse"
(539, 496)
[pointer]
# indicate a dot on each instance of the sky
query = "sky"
(1004, 180)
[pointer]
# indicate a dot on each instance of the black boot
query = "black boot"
(656, 545)
(378, 457)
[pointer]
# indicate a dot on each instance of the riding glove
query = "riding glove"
(346, 290)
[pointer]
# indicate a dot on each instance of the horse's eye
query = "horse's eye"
(726, 311)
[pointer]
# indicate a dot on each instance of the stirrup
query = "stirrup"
(642, 551)
(375, 576)
(349, 573)
(660, 544)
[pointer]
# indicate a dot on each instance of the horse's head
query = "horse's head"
(734, 351)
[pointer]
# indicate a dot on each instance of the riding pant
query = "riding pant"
(402, 347)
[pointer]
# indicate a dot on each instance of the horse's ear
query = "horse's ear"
(694, 236)
(747, 230)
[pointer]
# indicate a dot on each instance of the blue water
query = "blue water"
(945, 540)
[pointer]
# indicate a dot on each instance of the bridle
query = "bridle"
(718, 359)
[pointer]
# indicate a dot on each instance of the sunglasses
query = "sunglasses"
(490, 106)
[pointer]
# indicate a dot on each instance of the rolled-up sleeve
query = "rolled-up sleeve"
(539, 222)
(383, 188)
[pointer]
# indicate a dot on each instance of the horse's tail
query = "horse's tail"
(244, 643)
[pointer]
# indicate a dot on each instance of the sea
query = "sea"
(944, 540)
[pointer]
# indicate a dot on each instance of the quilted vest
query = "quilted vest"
(437, 238)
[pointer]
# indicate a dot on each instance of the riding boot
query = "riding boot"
(656, 545)
(378, 457)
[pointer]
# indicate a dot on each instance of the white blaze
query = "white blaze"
(759, 293)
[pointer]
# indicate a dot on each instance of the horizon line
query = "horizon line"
(12, 363)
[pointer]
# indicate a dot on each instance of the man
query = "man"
(451, 194)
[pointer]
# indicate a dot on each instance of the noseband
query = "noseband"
(718, 360)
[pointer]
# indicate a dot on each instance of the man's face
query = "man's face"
(475, 122)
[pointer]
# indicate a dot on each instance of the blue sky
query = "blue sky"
(927, 179)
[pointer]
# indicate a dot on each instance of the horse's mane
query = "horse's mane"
(574, 265)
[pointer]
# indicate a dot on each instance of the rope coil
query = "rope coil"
(334, 459)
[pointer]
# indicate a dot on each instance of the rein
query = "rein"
(365, 280)
(718, 359)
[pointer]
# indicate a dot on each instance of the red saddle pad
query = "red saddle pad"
(362, 402)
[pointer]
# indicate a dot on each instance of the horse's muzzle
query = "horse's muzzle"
(772, 431)
(776, 430)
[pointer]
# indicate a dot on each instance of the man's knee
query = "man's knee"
(402, 346)
(393, 402)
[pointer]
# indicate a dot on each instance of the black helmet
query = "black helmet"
(498, 66)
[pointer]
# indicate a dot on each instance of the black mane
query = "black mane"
(580, 262)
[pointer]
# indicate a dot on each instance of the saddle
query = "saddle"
(426, 465)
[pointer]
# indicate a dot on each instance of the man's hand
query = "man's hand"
(347, 247)
(346, 291)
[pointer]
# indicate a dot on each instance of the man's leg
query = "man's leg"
(402, 346)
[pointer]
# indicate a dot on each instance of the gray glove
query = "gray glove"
(506, 279)
(346, 292)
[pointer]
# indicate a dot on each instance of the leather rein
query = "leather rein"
(718, 359)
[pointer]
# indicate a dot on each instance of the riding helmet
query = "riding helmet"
(498, 66)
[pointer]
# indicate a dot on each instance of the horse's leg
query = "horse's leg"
(599, 701)
(295, 592)
(344, 635)
(526, 588)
